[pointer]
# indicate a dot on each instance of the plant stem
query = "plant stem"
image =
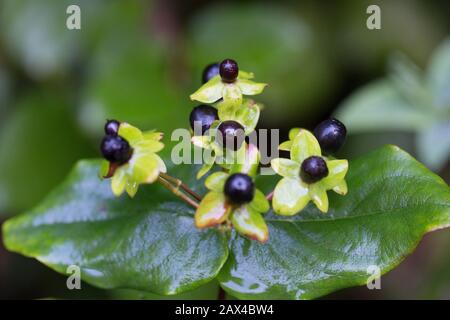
(176, 191)
(180, 184)
(269, 196)
(221, 294)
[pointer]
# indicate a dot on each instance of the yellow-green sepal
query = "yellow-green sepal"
(104, 169)
(260, 202)
(204, 170)
(246, 160)
(293, 133)
(250, 88)
(290, 196)
(212, 210)
(337, 169)
(232, 95)
(286, 167)
(250, 223)
(304, 146)
(130, 133)
(216, 181)
(319, 196)
(209, 92)
(285, 146)
(119, 180)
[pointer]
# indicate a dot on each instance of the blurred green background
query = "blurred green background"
(137, 61)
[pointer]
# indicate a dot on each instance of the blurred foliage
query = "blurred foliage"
(273, 42)
(408, 100)
(129, 80)
(58, 86)
(39, 143)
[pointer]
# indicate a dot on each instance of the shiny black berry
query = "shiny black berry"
(210, 71)
(115, 149)
(313, 169)
(205, 115)
(239, 189)
(228, 70)
(230, 134)
(112, 127)
(331, 135)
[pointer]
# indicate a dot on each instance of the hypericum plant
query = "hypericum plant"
(382, 204)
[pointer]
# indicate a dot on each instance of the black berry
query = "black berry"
(112, 127)
(115, 149)
(229, 70)
(205, 115)
(313, 169)
(239, 189)
(331, 135)
(230, 134)
(210, 71)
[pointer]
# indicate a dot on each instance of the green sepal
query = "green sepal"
(212, 210)
(210, 92)
(250, 223)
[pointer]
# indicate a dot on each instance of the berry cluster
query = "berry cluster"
(220, 124)
(130, 157)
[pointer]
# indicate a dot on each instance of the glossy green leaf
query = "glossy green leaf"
(392, 202)
(147, 243)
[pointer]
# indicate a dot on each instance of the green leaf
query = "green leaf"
(392, 202)
(148, 243)
(379, 106)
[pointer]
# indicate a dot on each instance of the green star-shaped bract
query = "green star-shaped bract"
(215, 209)
(292, 194)
(231, 93)
(246, 114)
(144, 165)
